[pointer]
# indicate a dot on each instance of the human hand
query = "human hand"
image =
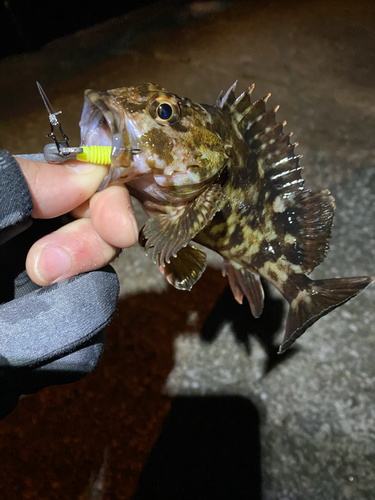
(55, 335)
(104, 220)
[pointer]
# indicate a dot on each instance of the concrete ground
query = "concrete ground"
(237, 418)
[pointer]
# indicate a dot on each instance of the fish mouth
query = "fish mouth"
(101, 126)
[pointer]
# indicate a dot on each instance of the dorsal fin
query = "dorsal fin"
(275, 153)
(284, 175)
(243, 102)
(252, 114)
(307, 216)
(314, 216)
(261, 131)
(228, 99)
(219, 99)
(266, 137)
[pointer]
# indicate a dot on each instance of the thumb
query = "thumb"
(59, 188)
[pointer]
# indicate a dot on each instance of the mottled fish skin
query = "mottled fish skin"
(225, 176)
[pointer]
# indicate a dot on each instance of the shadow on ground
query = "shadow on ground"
(209, 448)
(265, 328)
(101, 429)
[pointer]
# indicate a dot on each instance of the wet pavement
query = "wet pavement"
(237, 418)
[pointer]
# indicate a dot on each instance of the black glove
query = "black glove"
(48, 335)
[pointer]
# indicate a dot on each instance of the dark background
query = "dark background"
(27, 25)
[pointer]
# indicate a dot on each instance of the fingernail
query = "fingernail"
(52, 263)
(79, 167)
(133, 219)
(136, 230)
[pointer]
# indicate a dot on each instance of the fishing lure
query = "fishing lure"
(60, 151)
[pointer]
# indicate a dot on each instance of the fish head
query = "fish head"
(152, 131)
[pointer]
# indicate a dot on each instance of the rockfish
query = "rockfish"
(226, 177)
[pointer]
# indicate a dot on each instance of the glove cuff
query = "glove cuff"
(16, 204)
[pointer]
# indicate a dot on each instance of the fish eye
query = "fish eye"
(165, 110)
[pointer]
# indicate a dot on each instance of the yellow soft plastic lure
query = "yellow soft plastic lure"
(100, 155)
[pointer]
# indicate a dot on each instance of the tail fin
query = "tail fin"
(316, 299)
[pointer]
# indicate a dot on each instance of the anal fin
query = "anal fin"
(316, 299)
(245, 282)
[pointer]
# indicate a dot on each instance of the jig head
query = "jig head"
(60, 151)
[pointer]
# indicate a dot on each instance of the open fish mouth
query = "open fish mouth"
(100, 126)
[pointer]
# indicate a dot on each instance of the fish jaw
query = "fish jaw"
(105, 124)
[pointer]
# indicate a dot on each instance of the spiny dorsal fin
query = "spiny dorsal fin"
(243, 102)
(275, 153)
(219, 99)
(260, 130)
(228, 99)
(284, 175)
(252, 114)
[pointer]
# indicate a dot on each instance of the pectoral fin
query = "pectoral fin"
(166, 234)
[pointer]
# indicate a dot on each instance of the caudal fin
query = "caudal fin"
(315, 300)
